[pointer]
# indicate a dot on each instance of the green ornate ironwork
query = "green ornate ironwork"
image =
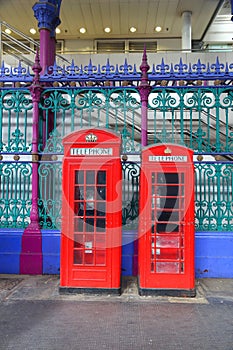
(66, 110)
(15, 121)
(214, 199)
(50, 194)
(199, 118)
(15, 189)
(130, 194)
(49, 202)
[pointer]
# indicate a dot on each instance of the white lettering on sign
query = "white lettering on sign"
(168, 159)
(91, 151)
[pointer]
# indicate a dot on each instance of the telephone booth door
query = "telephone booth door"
(166, 221)
(91, 213)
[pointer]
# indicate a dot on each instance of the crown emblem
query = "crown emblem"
(167, 150)
(91, 138)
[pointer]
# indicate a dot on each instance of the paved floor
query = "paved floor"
(33, 316)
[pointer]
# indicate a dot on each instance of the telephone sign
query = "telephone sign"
(166, 221)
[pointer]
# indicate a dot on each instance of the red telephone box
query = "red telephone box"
(166, 221)
(91, 212)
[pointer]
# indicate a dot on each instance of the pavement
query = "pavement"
(34, 316)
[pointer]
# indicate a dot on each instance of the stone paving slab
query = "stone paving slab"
(114, 325)
(46, 287)
(34, 316)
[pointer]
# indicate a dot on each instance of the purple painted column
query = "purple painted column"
(45, 55)
(47, 14)
(31, 252)
(144, 90)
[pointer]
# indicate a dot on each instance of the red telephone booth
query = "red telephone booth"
(91, 212)
(166, 221)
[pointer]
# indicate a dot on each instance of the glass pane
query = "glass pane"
(81, 192)
(89, 227)
(172, 190)
(167, 267)
(90, 177)
(90, 193)
(182, 178)
(167, 215)
(101, 208)
(89, 258)
(168, 178)
(166, 227)
(153, 178)
(78, 225)
(169, 203)
(101, 177)
(78, 257)
(101, 190)
(100, 240)
(100, 225)
(79, 176)
(78, 241)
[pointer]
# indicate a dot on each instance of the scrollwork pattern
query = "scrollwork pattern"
(15, 189)
(213, 202)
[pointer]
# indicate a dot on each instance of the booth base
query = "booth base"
(167, 292)
(102, 291)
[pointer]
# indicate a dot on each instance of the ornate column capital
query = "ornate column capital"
(47, 14)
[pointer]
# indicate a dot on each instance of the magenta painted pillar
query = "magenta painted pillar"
(144, 90)
(45, 54)
(31, 252)
(47, 14)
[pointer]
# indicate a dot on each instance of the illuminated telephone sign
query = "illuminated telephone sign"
(166, 221)
(91, 212)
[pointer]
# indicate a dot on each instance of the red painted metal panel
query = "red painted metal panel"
(91, 211)
(166, 219)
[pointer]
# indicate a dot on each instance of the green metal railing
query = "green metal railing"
(66, 110)
(200, 118)
(15, 190)
(214, 199)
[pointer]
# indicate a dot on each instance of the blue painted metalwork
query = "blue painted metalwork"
(162, 74)
(15, 74)
(214, 254)
(51, 251)
(10, 248)
(109, 75)
(186, 73)
(47, 14)
(106, 75)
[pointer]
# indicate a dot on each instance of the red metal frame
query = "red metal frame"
(166, 220)
(91, 211)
